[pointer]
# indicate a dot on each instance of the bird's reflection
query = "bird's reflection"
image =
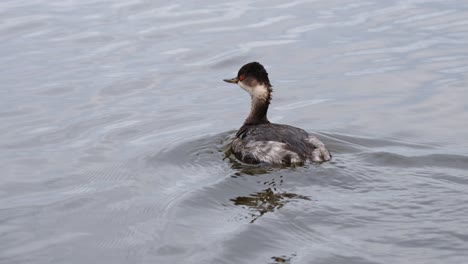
(283, 259)
(268, 200)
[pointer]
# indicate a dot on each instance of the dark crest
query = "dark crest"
(256, 71)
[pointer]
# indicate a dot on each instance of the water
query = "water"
(114, 122)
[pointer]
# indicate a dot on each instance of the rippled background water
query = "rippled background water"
(114, 121)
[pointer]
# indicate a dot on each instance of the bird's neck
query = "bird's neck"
(258, 110)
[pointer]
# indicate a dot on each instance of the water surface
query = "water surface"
(114, 123)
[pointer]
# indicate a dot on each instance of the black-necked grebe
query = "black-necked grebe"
(258, 140)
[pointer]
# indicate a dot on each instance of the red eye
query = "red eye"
(241, 77)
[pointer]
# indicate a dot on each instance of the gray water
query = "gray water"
(114, 124)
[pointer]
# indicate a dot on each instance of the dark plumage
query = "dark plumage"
(255, 71)
(258, 140)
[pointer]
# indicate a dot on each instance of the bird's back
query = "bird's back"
(272, 143)
(295, 138)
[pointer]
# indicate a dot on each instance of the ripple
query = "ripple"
(229, 14)
(423, 17)
(242, 48)
(264, 23)
(462, 69)
(67, 134)
(37, 245)
(431, 160)
(22, 25)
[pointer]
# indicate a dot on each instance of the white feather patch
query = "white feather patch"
(320, 153)
(265, 151)
(259, 91)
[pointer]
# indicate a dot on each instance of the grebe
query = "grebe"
(258, 140)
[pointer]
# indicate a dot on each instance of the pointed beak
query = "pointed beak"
(233, 80)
